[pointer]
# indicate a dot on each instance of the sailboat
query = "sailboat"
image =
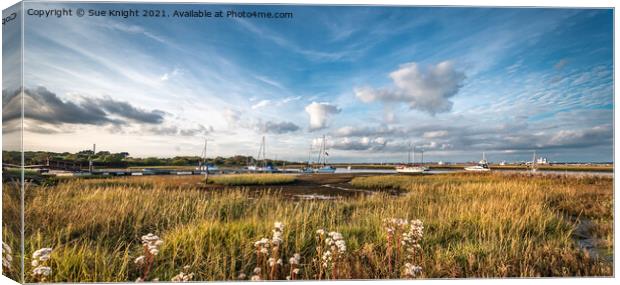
(325, 168)
(308, 168)
(409, 167)
(534, 169)
(203, 166)
(483, 165)
(261, 157)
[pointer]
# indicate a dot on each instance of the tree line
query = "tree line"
(123, 159)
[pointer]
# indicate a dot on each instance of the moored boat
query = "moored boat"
(410, 168)
(325, 168)
(483, 165)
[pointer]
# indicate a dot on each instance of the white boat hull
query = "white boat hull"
(477, 168)
(413, 169)
(325, 170)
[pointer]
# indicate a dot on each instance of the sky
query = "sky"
(452, 82)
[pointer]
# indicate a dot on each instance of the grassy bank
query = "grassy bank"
(252, 179)
(475, 226)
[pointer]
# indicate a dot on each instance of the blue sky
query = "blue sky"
(452, 81)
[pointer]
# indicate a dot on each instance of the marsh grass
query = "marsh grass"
(252, 179)
(474, 226)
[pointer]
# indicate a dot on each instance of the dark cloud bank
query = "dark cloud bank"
(52, 113)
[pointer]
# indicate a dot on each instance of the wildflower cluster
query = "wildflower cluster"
(294, 266)
(331, 249)
(7, 257)
(150, 245)
(403, 245)
(268, 253)
(40, 259)
(183, 276)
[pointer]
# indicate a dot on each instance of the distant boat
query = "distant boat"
(409, 167)
(325, 168)
(261, 159)
(308, 168)
(209, 167)
(203, 165)
(534, 169)
(483, 165)
(267, 168)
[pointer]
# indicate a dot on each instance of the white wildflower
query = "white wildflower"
(7, 256)
(295, 259)
(255, 278)
(42, 253)
(410, 234)
(182, 277)
(411, 271)
(42, 271)
(151, 244)
(279, 226)
(241, 276)
(6, 248)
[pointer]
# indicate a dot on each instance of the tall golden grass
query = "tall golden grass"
(475, 226)
(252, 179)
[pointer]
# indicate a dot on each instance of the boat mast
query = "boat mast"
(318, 160)
(204, 163)
(422, 154)
(261, 153)
(264, 156)
(324, 152)
(409, 154)
(90, 159)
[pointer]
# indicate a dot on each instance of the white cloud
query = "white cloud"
(427, 90)
(234, 119)
(435, 134)
(269, 81)
(290, 99)
(261, 104)
(320, 114)
(135, 29)
(171, 74)
(353, 144)
(231, 116)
